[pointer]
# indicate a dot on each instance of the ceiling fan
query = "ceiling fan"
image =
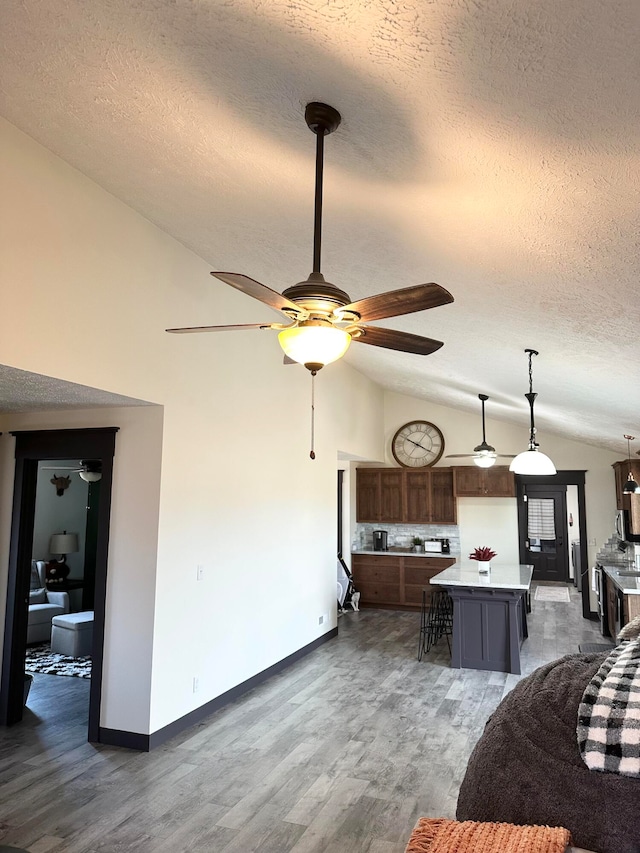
(484, 455)
(321, 320)
(90, 470)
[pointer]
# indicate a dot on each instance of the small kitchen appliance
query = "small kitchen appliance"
(433, 546)
(380, 540)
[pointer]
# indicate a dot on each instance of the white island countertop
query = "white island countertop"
(498, 577)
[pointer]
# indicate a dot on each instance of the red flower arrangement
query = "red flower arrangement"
(483, 555)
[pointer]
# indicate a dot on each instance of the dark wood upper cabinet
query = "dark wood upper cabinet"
(473, 482)
(443, 502)
(395, 495)
(391, 495)
(367, 494)
(621, 470)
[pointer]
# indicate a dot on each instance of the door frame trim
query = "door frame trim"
(33, 446)
(563, 478)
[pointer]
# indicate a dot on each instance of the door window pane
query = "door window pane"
(540, 520)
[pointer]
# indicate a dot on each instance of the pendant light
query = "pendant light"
(630, 487)
(532, 461)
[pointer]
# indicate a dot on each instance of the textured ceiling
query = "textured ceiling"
(21, 391)
(491, 147)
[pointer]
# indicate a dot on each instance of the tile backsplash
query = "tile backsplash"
(401, 535)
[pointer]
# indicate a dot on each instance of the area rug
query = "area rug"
(552, 593)
(42, 659)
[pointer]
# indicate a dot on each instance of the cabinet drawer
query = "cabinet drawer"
(438, 563)
(419, 574)
(383, 593)
(376, 574)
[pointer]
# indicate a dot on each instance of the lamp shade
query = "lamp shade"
(532, 462)
(317, 344)
(90, 476)
(631, 487)
(63, 543)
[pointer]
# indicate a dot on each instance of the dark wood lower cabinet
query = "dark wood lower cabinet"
(395, 581)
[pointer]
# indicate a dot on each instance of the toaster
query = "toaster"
(433, 546)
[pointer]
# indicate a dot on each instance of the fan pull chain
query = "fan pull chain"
(312, 454)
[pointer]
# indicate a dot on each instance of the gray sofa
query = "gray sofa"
(44, 604)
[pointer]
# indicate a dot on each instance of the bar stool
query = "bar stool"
(436, 620)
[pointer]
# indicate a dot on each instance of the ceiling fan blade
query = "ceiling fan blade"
(396, 302)
(237, 327)
(402, 341)
(506, 455)
(459, 456)
(259, 291)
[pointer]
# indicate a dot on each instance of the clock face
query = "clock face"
(417, 444)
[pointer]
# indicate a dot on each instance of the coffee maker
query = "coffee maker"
(380, 540)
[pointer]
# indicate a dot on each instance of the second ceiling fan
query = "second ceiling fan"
(320, 318)
(484, 455)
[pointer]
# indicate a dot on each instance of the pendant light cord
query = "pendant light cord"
(531, 398)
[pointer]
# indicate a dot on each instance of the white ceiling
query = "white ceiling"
(492, 147)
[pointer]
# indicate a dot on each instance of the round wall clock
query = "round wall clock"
(417, 444)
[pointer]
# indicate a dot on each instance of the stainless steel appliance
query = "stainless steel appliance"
(623, 527)
(577, 564)
(602, 604)
(433, 546)
(380, 540)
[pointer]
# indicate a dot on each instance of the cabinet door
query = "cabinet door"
(634, 514)
(500, 482)
(468, 481)
(621, 470)
(418, 492)
(443, 504)
(367, 494)
(391, 495)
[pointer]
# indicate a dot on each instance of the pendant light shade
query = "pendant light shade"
(630, 487)
(532, 460)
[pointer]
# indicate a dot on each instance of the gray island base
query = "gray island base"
(489, 615)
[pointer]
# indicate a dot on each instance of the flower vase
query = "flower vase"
(484, 566)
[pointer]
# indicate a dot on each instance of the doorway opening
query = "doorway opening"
(552, 529)
(33, 449)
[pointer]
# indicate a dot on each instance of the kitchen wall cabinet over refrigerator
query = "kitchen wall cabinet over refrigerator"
(473, 482)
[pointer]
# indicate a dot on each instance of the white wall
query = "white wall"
(237, 492)
(492, 522)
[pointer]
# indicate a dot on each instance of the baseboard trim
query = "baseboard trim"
(145, 743)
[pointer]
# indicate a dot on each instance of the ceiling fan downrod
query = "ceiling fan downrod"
(321, 119)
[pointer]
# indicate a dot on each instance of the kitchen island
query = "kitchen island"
(489, 615)
(620, 597)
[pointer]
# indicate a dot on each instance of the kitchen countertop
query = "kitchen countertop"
(392, 552)
(627, 585)
(499, 577)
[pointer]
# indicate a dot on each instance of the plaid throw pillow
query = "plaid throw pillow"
(609, 714)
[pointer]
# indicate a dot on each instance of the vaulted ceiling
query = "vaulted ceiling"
(491, 147)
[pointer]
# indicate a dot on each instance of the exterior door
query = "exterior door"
(543, 537)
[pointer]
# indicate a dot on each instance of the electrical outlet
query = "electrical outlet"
(320, 620)
(196, 683)
(199, 572)
(325, 618)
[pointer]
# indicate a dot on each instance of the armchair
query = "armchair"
(44, 604)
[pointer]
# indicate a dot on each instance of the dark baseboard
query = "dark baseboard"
(145, 743)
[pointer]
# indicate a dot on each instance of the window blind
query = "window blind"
(540, 518)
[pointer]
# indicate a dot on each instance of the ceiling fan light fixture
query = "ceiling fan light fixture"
(485, 458)
(90, 476)
(314, 343)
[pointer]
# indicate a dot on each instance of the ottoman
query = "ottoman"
(72, 634)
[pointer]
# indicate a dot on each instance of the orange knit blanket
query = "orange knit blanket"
(438, 835)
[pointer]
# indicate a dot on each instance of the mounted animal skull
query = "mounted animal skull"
(61, 484)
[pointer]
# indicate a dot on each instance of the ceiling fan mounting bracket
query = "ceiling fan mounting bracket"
(321, 118)
(316, 288)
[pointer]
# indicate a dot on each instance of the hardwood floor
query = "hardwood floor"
(341, 752)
